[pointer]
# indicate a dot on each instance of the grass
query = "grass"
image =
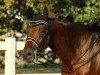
(37, 68)
(48, 65)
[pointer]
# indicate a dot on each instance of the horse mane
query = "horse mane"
(66, 23)
(63, 22)
(92, 27)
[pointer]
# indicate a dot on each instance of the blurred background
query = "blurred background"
(14, 17)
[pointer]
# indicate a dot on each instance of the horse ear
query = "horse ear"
(46, 12)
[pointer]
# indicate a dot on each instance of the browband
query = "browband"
(38, 22)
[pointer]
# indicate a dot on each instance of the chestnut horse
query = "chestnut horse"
(78, 46)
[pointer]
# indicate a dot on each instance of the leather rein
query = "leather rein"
(84, 62)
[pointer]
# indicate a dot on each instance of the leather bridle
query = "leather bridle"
(46, 32)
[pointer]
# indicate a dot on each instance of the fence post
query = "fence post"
(10, 56)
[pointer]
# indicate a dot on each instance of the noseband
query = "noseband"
(34, 24)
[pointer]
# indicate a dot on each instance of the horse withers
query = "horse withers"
(78, 46)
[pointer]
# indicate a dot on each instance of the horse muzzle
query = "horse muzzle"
(28, 55)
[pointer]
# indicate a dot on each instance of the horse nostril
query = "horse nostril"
(29, 54)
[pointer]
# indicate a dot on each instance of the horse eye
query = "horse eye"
(43, 31)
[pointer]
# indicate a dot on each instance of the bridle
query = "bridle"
(38, 50)
(37, 23)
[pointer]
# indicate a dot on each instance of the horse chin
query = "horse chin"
(27, 59)
(27, 56)
(30, 55)
(38, 49)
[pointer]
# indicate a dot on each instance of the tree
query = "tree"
(81, 10)
(10, 10)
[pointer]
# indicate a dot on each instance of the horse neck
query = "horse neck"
(57, 37)
(65, 39)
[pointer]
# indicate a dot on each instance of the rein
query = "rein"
(82, 63)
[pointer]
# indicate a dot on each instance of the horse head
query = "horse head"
(37, 38)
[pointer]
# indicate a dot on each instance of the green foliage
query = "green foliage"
(12, 9)
(81, 10)
(31, 4)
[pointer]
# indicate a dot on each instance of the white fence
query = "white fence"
(10, 46)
